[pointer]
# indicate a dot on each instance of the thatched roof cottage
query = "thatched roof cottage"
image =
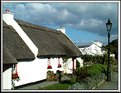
(32, 46)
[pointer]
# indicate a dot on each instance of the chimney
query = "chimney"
(98, 43)
(62, 29)
(8, 16)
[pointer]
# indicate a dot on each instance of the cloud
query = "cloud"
(89, 17)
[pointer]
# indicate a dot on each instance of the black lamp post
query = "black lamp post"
(108, 26)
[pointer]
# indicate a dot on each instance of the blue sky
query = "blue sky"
(84, 21)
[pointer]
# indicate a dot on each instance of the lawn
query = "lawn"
(58, 86)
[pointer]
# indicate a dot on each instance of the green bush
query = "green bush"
(89, 71)
(104, 68)
(81, 73)
(89, 59)
(112, 60)
(97, 69)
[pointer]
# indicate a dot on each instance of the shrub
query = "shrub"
(65, 82)
(89, 71)
(89, 59)
(94, 69)
(51, 76)
(104, 68)
(112, 60)
(81, 73)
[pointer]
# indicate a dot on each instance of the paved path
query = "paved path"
(41, 84)
(113, 85)
(36, 86)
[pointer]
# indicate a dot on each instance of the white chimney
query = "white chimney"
(8, 17)
(98, 43)
(62, 29)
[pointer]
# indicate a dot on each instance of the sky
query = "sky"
(84, 22)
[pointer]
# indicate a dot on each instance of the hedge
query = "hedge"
(88, 83)
(89, 71)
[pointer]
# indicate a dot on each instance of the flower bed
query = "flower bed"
(51, 76)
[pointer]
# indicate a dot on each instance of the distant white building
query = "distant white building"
(94, 49)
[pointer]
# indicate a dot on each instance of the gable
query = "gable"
(15, 44)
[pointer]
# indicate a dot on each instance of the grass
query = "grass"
(58, 86)
(64, 85)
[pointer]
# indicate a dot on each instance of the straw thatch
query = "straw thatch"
(50, 42)
(8, 58)
(13, 46)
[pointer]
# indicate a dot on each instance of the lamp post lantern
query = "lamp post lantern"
(108, 26)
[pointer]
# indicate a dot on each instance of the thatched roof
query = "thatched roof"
(50, 42)
(8, 57)
(13, 46)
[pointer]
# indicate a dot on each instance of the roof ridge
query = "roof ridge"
(39, 27)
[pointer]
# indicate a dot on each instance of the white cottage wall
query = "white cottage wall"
(68, 65)
(80, 61)
(31, 71)
(54, 64)
(35, 70)
(7, 84)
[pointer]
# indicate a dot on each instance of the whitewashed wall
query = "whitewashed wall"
(7, 84)
(80, 61)
(35, 70)
(54, 64)
(68, 65)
